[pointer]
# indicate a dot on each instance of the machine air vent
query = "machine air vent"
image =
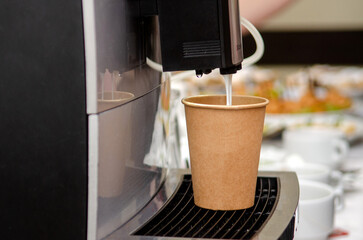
(180, 217)
(201, 49)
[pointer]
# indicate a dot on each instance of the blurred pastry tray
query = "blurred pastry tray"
(351, 126)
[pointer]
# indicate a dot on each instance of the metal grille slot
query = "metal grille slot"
(180, 217)
(201, 49)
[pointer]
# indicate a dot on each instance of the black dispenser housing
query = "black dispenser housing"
(200, 35)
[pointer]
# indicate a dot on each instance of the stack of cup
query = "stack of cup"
(323, 151)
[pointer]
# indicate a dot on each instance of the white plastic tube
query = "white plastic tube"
(260, 45)
(260, 48)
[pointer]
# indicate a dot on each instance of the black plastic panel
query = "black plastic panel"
(43, 121)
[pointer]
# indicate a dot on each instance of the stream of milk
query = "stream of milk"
(228, 83)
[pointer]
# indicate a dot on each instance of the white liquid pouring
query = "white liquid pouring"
(228, 83)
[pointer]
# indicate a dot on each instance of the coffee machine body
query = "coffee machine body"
(88, 127)
(85, 123)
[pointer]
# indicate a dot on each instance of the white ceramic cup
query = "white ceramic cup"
(317, 145)
(317, 205)
(304, 171)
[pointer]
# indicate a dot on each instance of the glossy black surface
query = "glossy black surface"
(198, 35)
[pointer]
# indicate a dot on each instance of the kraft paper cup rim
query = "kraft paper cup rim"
(127, 96)
(186, 101)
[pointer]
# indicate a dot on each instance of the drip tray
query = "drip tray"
(180, 217)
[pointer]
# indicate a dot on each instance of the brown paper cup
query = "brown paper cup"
(224, 144)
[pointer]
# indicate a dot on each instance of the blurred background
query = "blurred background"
(308, 31)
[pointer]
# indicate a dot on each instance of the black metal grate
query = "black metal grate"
(180, 217)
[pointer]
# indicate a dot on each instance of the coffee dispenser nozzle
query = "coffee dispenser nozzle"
(199, 35)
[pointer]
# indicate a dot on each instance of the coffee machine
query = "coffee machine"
(88, 129)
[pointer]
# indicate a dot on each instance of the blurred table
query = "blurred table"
(350, 218)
